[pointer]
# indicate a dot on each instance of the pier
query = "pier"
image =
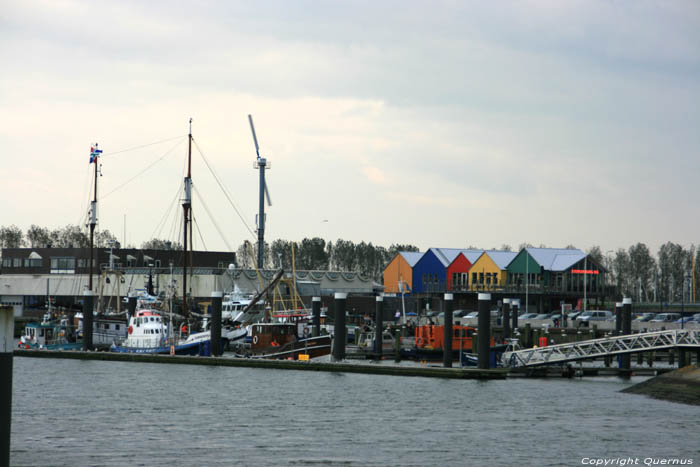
(374, 369)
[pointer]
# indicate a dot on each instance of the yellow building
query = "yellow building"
(400, 270)
(490, 272)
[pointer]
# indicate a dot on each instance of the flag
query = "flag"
(94, 153)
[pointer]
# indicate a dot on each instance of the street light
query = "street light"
(685, 279)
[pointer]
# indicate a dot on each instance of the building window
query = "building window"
(84, 262)
(63, 265)
(6, 262)
(157, 263)
(16, 262)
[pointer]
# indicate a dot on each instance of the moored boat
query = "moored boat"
(287, 341)
(147, 333)
(50, 335)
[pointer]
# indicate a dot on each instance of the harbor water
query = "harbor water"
(74, 413)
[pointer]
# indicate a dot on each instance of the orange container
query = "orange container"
(543, 342)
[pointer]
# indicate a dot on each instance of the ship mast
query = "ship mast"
(187, 208)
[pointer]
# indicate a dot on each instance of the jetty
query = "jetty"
(312, 365)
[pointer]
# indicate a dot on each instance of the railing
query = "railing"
(521, 289)
(595, 348)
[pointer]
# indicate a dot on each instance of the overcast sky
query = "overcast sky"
(440, 124)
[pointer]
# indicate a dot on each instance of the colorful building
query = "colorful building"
(490, 270)
(556, 269)
(458, 270)
(430, 274)
(400, 271)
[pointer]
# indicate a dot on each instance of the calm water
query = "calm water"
(74, 413)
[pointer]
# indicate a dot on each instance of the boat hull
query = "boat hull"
(201, 348)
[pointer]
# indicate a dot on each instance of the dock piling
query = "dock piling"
(87, 319)
(316, 312)
(7, 330)
(447, 347)
(484, 330)
(216, 299)
(618, 318)
(339, 337)
(515, 305)
(378, 326)
(625, 362)
(506, 318)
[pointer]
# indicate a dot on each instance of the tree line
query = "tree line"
(318, 254)
(635, 272)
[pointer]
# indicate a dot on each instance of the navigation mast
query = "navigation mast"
(94, 156)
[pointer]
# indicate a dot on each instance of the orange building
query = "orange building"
(400, 270)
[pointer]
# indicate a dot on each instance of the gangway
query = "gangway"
(596, 348)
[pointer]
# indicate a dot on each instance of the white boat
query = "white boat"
(148, 333)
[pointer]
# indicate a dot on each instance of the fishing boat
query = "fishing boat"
(50, 335)
(287, 341)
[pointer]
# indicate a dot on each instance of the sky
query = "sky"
(437, 124)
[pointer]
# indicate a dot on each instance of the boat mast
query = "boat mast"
(93, 213)
(187, 208)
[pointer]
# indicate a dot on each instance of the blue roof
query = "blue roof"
(501, 258)
(556, 259)
(472, 255)
(411, 257)
(444, 255)
(448, 255)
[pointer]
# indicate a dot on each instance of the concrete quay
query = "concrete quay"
(375, 369)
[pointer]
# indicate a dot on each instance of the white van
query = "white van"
(594, 315)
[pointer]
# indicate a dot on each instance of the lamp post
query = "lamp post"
(685, 279)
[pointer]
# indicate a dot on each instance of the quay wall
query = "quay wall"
(376, 369)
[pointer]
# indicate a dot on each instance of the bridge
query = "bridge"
(596, 348)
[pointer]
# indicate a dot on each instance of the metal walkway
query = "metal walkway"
(595, 348)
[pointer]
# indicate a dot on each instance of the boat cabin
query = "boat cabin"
(273, 335)
(146, 329)
(37, 334)
(366, 341)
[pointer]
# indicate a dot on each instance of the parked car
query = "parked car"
(596, 315)
(666, 318)
(686, 319)
(527, 316)
(644, 317)
(543, 316)
(574, 314)
(472, 314)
